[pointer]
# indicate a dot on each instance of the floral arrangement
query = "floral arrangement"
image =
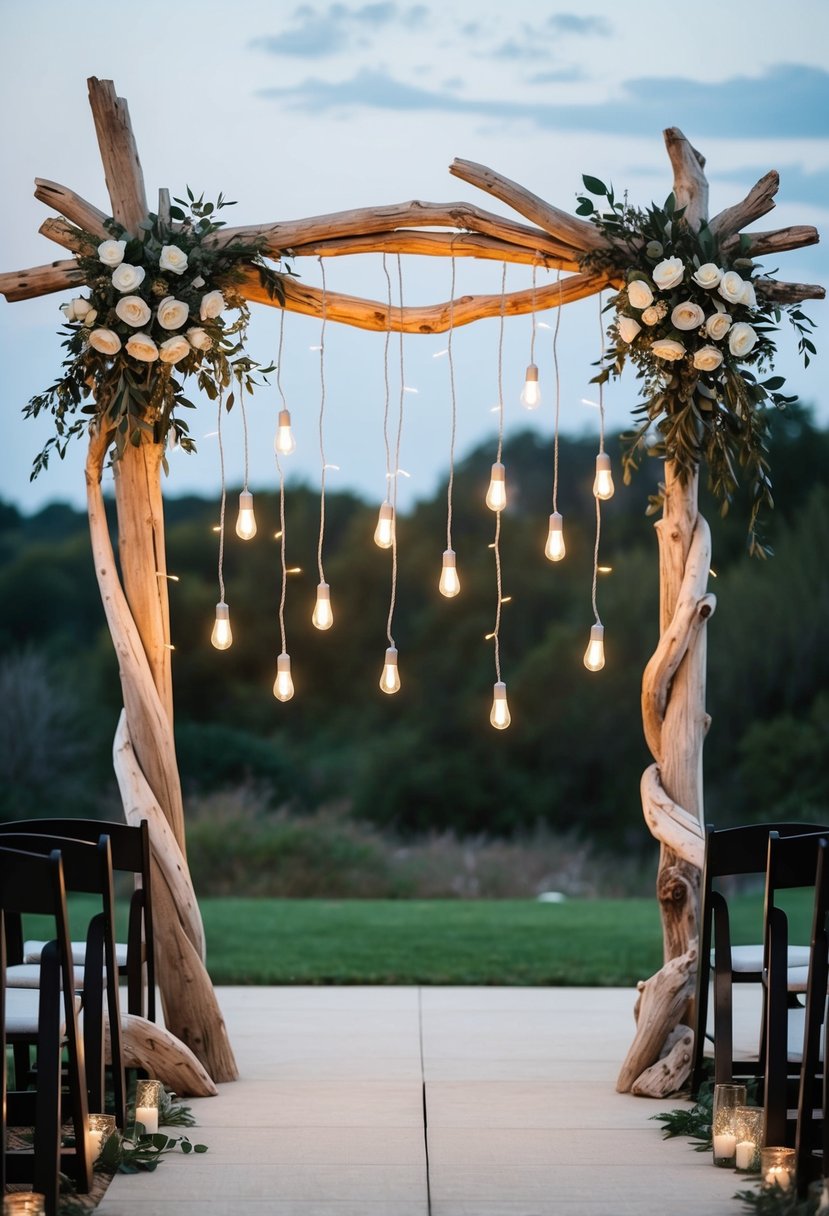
(156, 313)
(692, 319)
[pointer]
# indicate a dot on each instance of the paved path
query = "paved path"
(428, 1102)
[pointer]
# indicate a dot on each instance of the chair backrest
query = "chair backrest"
(744, 850)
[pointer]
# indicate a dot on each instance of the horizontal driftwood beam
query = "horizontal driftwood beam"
(778, 240)
(429, 319)
(40, 280)
(789, 293)
(434, 244)
(68, 203)
(758, 201)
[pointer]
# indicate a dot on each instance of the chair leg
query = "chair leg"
(47, 1129)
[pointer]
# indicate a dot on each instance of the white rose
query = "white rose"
(654, 314)
(198, 281)
(78, 310)
(105, 341)
(731, 287)
(127, 278)
(199, 338)
(174, 349)
(717, 327)
(708, 275)
(748, 296)
(132, 310)
(707, 358)
(142, 347)
(668, 273)
(111, 253)
(687, 315)
(211, 305)
(90, 317)
(741, 339)
(628, 328)
(639, 294)
(172, 258)
(172, 313)
(667, 348)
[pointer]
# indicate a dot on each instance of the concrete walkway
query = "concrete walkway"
(428, 1102)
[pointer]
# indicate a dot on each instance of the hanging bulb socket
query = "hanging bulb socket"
(531, 393)
(246, 520)
(221, 637)
(323, 617)
(284, 443)
(499, 715)
(283, 686)
(384, 532)
(603, 482)
(390, 679)
(555, 549)
(496, 495)
(449, 584)
(594, 655)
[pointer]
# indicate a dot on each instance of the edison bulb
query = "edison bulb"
(603, 483)
(284, 443)
(531, 393)
(449, 584)
(499, 715)
(323, 617)
(221, 637)
(246, 520)
(496, 495)
(384, 532)
(594, 655)
(390, 679)
(283, 685)
(554, 549)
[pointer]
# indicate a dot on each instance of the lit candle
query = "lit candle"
(724, 1145)
(780, 1175)
(744, 1154)
(148, 1115)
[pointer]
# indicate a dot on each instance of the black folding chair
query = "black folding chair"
(34, 884)
(729, 853)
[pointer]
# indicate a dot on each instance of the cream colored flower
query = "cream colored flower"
(174, 349)
(639, 294)
(172, 313)
(78, 310)
(708, 275)
(741, 339)
(142, 347)
(132, 310)
(668, 273)
(127, 278)
(707, 358)
(199, 338)
(628, 328)
(172, 258)
(105, 341)
(654, 314)
(731, 287)
(717, 326)
(111, 253)
(211, 306)
(748, 297)
(668, 349)
(687, 315)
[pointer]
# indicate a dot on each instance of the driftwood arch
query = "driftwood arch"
(195, 1052)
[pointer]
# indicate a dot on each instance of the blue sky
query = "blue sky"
(302, 109)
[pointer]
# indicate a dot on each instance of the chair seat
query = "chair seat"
(32, 951)
(22, 1007)
(27, 975)
(748, 960)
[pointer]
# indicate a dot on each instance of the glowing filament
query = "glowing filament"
(284, 443)
(531, 393)
(449, 584)
(221, 637)
(496, 495)
(555, 549)
(594, 655)
(499, 714)
(390, 679)
(323, 617)
(384, 532)
(603, 483)
(246, 520)
(283, 685)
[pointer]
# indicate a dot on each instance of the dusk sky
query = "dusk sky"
(296, 110)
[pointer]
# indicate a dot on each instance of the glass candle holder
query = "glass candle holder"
(147, 1099)
(749, 1131)
(24, 1203)
(727, 1099)
(101, 1127)
(777, 1167)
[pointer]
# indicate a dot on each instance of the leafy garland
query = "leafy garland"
(155, 314)
(692, 321)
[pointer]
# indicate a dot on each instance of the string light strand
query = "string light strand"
(454, 403)
(557, 372)
(324, 466)
(224, 494)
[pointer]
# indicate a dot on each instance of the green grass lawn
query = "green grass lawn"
(313, 941)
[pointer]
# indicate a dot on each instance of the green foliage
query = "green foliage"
(774, 1201)
(693, 1122)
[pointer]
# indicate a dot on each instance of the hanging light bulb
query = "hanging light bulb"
(221, 637)
(554, 549)
(594, 655)
(323, 617)
(603, 483)
(496, 495)
(283, 685)
(449, 584)
(499, 714)
(284, 443)
(246, 520)
(531, 393)
(384, 532)
(390, 679)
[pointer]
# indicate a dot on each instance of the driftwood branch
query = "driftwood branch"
(670, 823)
(777, 240)
(661, 1001)
(758, 201)
(690, 182)
(435, 244)
(162, 1055)
(670, 1072)
(122, 168)
(69, 204)
(789, 293)
(41, 280)
(69, 236)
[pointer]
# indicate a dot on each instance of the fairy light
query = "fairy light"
(603, 482)
(283, 685)
(284, 442)
(531, 394)
(323, 615)
(390, 676)
(222, 635)
(499, 714)
(555, 548)
(384, 532)
(594, 654)
(245, 520)
(449, 584)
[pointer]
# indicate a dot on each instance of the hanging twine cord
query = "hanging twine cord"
(601, 449)
(321, 430)
(393, 597)
(532, 337)
(224, 496)
(452, 393)
(279, 360)
(601, 383)
(386, 379)
(558, 392)
(282, 553)
(496, 632)
(244, 431)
